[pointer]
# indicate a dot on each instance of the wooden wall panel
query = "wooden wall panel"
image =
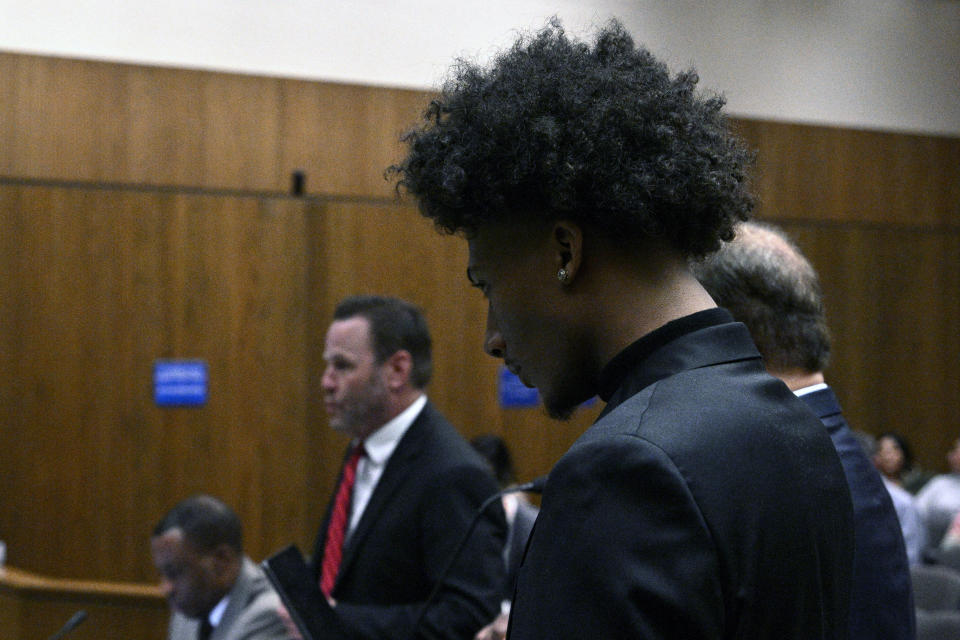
(825, 173)
(93, 121)
(67, 413)
(343, 136)
(102, 282)
(33, 607)
(892, 297)
(98, 285)
(61, 113)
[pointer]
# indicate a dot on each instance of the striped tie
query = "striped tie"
(337, 527)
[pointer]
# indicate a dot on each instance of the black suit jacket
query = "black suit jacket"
(422, 505)
(705, 502)
(881, 604)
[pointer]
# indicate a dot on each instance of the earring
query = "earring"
(562, 275)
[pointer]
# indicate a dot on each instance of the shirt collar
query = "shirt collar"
(216, 614)
(616, 371)
(380, 444)
(814, 387)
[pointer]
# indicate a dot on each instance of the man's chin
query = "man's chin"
(560, 409)
(192, 613)
(563, 406)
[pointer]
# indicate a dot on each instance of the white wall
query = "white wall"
(887, 64)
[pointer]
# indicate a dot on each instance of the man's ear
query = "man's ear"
(397, 370)
(567, 244)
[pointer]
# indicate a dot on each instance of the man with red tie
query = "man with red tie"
(409, 487)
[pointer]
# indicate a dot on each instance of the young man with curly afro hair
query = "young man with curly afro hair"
(706, 501)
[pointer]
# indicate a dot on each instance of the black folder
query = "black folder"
(300, 593)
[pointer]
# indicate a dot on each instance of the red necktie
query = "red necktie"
(337, 527)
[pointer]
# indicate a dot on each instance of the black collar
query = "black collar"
(616, 371)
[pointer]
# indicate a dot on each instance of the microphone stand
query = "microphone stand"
(534, 486)
(70, 625)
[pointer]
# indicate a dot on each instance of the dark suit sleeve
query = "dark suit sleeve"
(627, 556)
(469, 596)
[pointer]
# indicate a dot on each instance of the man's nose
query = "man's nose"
(327, 382)
(493, 342)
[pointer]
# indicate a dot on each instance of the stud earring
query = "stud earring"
(562, 275)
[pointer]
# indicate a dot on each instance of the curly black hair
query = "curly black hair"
(602, 136)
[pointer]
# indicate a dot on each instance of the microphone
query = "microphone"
(71, 624)
(534, 486)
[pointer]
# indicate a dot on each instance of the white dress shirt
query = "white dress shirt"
(216, 614)
(814, 387)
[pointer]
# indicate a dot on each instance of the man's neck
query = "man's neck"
(648, 304)
(399, 402)
(797, 379)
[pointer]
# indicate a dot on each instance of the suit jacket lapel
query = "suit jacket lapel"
(239, 595)
(394, 474)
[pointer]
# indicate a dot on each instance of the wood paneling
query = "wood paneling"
(825, 173)
(879, 216)
(92, 121)
(98, 285)
(892, 297)
(343, 136)
(33, 607)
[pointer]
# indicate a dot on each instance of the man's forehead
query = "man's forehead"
(348, 336)
(172, 536)
(472, 251)
(171, 543)
(353, 327)
(483, 250)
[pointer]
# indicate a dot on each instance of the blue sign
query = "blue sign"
(516, 395)
(180, 383)
(513, 393)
